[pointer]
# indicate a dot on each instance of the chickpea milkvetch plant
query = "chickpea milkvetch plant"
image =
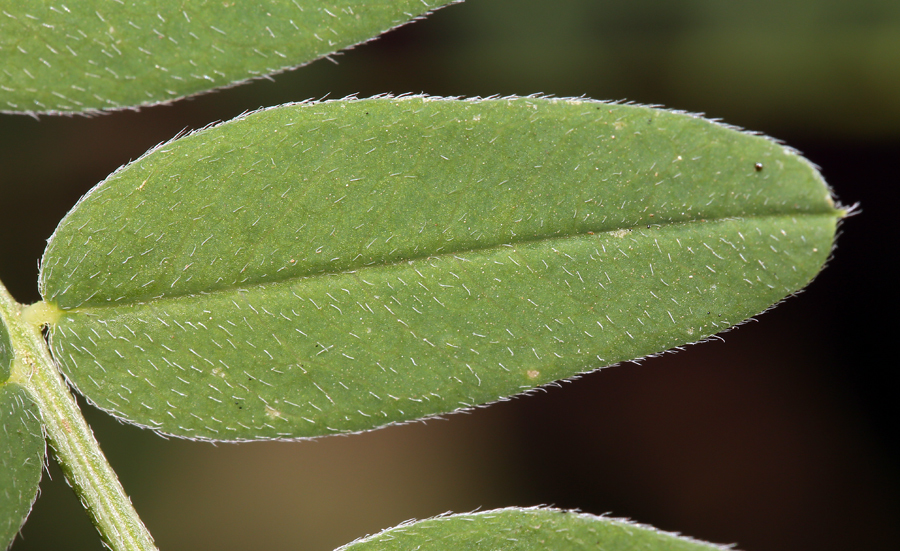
(333, 267)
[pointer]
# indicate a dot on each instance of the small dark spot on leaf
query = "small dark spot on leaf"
(758, 167)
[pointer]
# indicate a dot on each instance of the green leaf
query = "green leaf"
(7, 354)
(530, 529)
(21, 459)
(92, 55)
(21, 446)
(335, 267)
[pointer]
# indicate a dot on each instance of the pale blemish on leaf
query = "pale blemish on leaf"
(272, 412)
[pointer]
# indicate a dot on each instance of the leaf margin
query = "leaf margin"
(539, 512)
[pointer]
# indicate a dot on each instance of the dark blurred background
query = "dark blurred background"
(783, 437)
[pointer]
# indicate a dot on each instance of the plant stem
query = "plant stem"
(71, 439)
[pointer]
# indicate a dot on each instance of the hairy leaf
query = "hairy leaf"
(7, 354)
(88, 56)
(335, 267)
(21, 446)
(21, 459)
(518, 529)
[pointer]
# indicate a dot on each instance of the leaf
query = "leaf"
(517, 529)
(7, 354)
(89, 56)
(21, 459)
(334, 267)
(21, 447)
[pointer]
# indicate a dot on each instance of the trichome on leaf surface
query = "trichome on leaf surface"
(334, 267)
